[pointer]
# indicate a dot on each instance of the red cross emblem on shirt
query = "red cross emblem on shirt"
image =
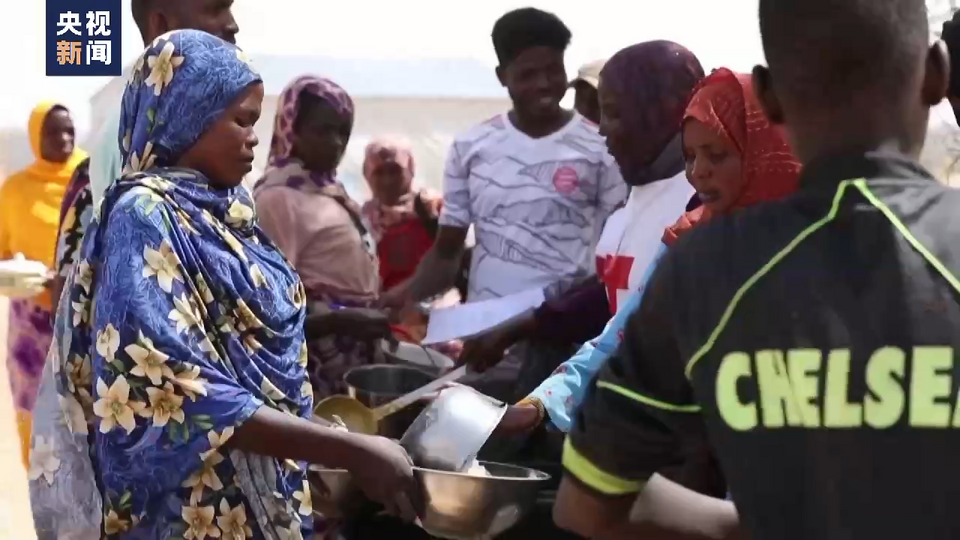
(614, 272)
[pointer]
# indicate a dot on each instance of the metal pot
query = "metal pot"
(380, 384)
(423, 358)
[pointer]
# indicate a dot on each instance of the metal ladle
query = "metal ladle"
(361, 419)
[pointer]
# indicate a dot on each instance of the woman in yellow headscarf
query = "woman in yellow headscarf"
(29, 220)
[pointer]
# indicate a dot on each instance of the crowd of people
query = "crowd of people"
(749, 281)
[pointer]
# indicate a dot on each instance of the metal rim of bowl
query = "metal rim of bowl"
(541, 476)
(389, 367)
(429, 353)
(381, 367)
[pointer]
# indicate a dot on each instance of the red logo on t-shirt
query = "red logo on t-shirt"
(566, 180)
(614, 272)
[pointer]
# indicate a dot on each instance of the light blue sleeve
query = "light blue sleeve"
(105, 158)
(563, 391)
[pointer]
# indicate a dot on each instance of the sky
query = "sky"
(721, 33)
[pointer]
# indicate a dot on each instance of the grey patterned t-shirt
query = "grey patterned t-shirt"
(537, 205)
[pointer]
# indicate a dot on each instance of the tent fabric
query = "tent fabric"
(427, 101)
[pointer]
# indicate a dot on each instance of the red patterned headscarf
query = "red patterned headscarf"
(383, 150)
(380, 216)
(725, 102)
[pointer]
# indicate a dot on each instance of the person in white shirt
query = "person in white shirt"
(536, 183)
(643, 91)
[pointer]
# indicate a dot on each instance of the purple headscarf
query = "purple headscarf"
(281, 166)
(653, 82)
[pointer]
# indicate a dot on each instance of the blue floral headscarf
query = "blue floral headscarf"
(182, 320)
(160, 118)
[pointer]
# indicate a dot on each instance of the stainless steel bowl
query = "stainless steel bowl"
(460, 506)
(333, 493)
(378, 385)
(450, 431)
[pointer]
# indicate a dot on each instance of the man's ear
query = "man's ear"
(936, 76)
(763, 89)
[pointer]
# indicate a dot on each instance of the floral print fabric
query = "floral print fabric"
(562, 392)
(197, 323)
(29, 336)
(29, 333)
(75, 214)
(180, 321)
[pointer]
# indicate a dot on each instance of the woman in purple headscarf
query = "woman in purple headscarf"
(319, 228)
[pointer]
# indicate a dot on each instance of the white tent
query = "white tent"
(939, 12)
(941, 153)
(428, 101)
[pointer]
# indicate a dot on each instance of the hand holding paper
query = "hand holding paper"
(467, 320)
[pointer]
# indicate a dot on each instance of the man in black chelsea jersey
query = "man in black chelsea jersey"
(811, 343)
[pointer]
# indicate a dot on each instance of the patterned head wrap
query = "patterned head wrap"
(725, 103)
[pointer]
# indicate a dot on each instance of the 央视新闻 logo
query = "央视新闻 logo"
(83, 38)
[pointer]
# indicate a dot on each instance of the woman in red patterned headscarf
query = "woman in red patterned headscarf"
(735, 157)
(402, 218)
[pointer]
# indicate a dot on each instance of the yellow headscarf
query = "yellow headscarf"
(40, 166)
(30, 199)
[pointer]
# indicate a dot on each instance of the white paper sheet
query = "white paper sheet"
(474, 318)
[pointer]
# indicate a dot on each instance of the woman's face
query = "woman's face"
(224, 153)
(320, 135)
(57, 136)
(612, 127)
(714, 166)
(389, 181)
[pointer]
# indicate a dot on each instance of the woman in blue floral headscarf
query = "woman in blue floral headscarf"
(180, 336)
